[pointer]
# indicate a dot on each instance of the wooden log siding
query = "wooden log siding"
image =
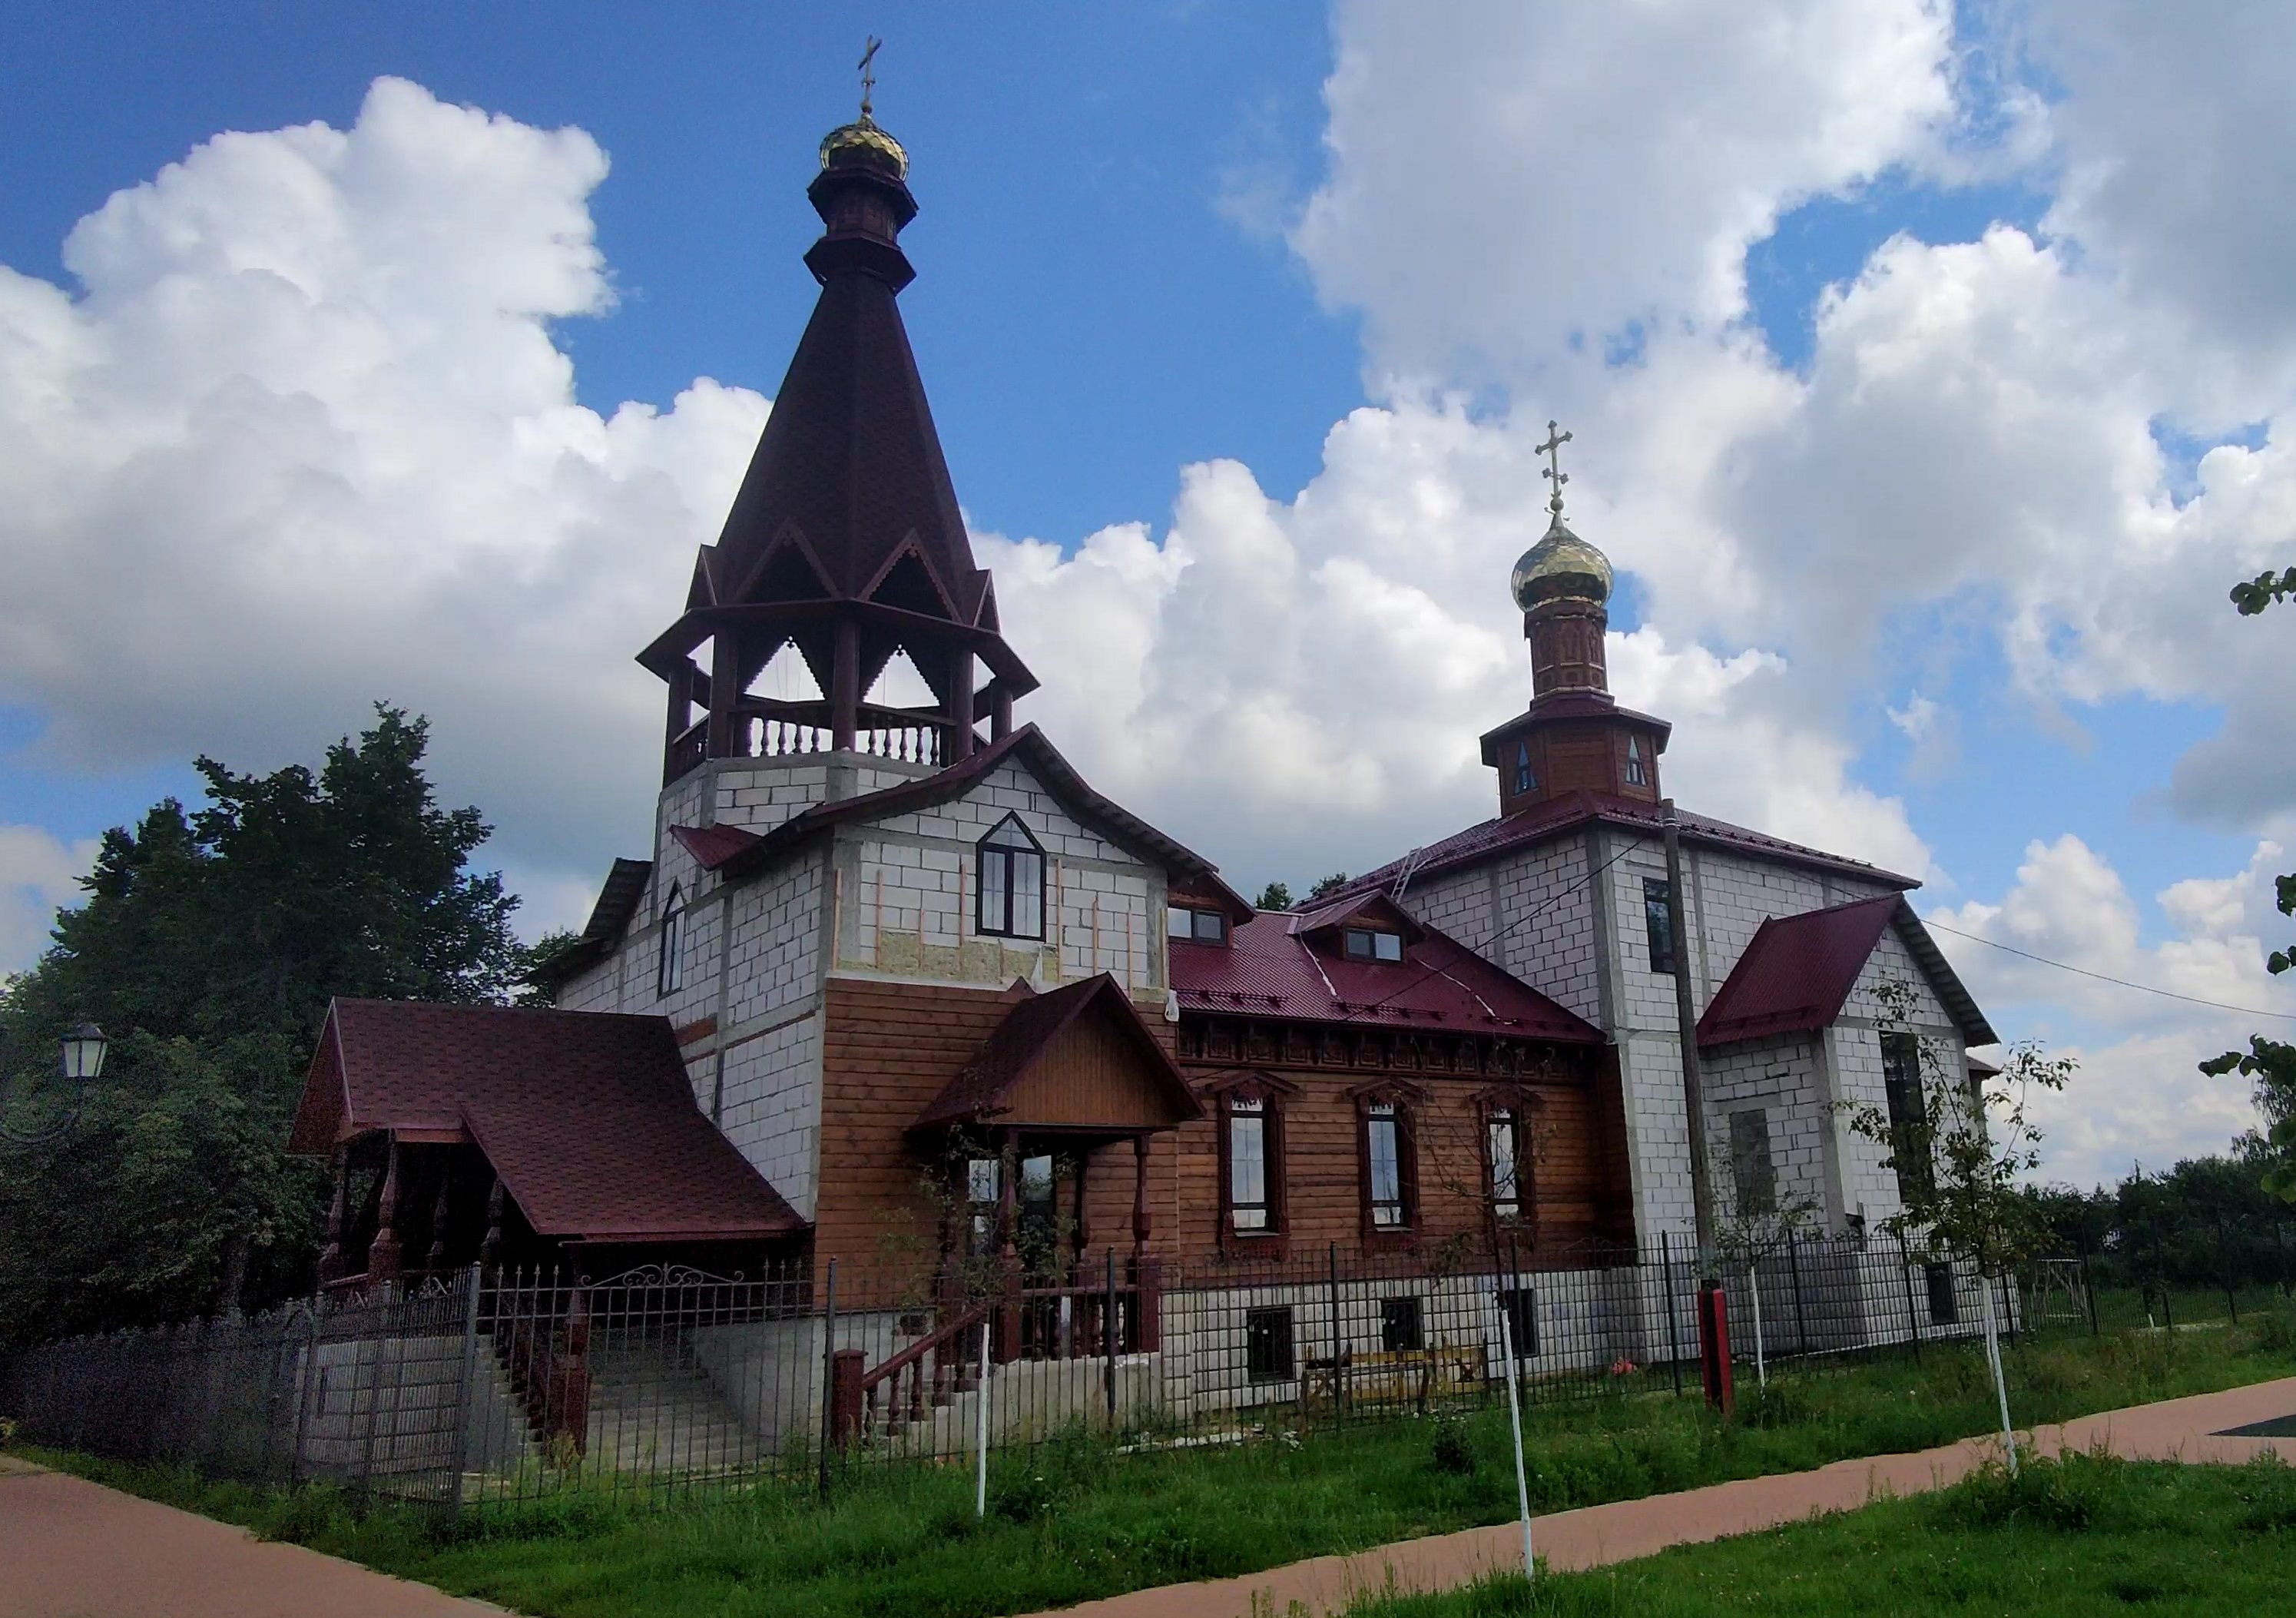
(889, 1049)
(1575, 1174)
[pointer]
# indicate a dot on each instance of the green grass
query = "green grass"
(2085, 1536)
(1074, 1520)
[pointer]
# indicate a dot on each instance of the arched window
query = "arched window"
(1637, 775)
(669, 965)
(1524, 780)
(1011, 885)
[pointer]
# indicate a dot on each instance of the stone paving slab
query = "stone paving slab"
(1594, 1536)
(69, 1548)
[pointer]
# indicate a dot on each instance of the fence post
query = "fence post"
(828, 1374)
(1108, 1339)
(1673, 1327)
(462, 1445)
(1905, 1274)
(2008, 1304)
(2087, 1281)
(1338, 1376)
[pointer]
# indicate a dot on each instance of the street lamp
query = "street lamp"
(81, 1052)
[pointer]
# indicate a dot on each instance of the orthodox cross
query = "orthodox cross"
(1554, 473)
(868, 79)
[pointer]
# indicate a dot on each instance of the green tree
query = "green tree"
(1274, 896)
(1327, 885)
(2270, 1063)
(207, 947)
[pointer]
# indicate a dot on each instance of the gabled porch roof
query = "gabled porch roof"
(1074, 1057)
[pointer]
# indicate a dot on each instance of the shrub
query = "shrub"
(2267, 1496)
(2070, 1494)
(1453, 1452)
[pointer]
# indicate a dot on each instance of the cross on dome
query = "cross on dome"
(1554, 473)
(869, 78)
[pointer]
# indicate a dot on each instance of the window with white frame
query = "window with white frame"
(1247, 1164)
(1385, 1145)
(1012, 882)
(1502, 1132)
(1637, 775)
(669, 964)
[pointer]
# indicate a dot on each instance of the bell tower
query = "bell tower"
(1574, 737)
(844, 548)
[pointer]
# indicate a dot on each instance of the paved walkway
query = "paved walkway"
(2177, 1429)
(69, 1548)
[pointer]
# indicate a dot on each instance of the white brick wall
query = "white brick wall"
(760, 793)
(776, 940)
(772, 1106)
(910, 903)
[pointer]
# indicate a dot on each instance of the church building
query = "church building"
(894, 984)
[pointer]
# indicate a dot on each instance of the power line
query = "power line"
(2166, 994)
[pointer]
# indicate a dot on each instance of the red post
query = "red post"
(1714, 1346)
(845, 1373)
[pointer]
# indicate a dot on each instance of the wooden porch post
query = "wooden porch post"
(960, 705)
(383, 1259)
(490, 1248)
(434, 1259)
(1000, 713)
(331, 1256)
(1008, 1173)
(1081, 1236)
(845, 685)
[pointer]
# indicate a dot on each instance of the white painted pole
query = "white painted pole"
(1514, 1420)
(1754, 1286)
(2000, 1387)
(980, 1432)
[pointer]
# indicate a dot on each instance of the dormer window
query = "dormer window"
(1364, 944)
(1201, 926)
(670, 963)
(1637, 775)
(1011, 892)
(1524, 780)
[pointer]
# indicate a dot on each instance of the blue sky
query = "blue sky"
(1220, 270)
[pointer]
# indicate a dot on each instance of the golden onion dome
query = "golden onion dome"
(1561, 564)
(863, 145)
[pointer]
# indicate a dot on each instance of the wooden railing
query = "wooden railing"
(764, 729)
(547, 1361)
(923, 1376)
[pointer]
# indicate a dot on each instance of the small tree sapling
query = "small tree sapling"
(1959, 1148)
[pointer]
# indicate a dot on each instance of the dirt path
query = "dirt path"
(2177, 1429)
(69, 1548)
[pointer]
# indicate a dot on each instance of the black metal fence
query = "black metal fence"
(509, 1386)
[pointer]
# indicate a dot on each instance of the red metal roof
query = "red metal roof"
(1268, 969)
(1797, 970)
(586, 1115)
(1572, 810)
